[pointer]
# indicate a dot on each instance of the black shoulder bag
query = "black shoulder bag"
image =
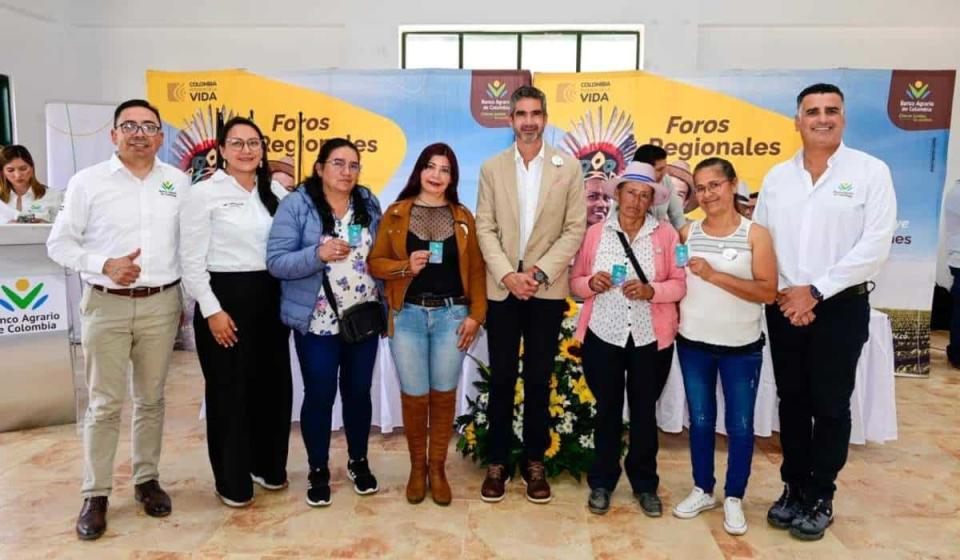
(359, 322)
(630, 255)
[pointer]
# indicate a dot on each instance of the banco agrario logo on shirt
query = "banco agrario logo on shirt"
(496, 89)
(918, 90)
(167, 188)
(22, 296)
(844, 189)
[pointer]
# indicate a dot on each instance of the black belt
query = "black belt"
(853, 291)
(138, 292)
(436, 301)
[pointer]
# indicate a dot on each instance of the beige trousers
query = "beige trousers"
(118, 331)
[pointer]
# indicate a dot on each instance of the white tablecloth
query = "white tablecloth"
(873, 405)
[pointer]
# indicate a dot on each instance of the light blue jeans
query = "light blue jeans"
(424, 347)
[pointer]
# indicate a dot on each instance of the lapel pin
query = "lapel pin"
(557, 161)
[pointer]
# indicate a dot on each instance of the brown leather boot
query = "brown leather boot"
(415, 427)
(443, 406)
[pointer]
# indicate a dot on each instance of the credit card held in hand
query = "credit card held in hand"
(436, 252)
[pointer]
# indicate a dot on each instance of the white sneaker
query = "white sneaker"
(734, 521)
(264, 484)
(692, 505)
(233, 503)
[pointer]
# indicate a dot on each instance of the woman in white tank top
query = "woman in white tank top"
(732, 273)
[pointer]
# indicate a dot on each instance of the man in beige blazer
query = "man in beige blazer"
(531, 218)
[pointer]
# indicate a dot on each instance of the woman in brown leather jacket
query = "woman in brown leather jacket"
(427, 252)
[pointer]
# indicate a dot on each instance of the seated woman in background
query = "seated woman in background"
(427, 251)
(23, 199)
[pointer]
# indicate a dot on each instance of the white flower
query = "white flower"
(480, 419)
(518, 428)
(569, 323)
(569, 417)
(557, 161)
(482, 400)
(586, 441)
(565, 427)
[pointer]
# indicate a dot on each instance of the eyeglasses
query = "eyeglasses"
(712, 186)
(131, 127)
(341, 164)
(253, 144)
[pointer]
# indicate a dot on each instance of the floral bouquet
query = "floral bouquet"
(572, 411)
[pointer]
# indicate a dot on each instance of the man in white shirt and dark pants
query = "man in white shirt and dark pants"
(831, 211)
(119, 228)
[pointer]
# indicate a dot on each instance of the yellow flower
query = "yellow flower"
(582, 390)
(556, 403)
(470, 435)
(570, 350)
(518, 392)
(554, 445)
(521, 347)
(572, 308)
(554, 381)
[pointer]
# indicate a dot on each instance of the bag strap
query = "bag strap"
(329, 293)
(630, 255)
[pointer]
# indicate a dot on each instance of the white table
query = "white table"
(873, 405)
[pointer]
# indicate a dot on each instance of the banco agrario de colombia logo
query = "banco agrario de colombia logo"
(22, 296)
(918, 90)
(496, 89)
(167, 188)
(844, 189)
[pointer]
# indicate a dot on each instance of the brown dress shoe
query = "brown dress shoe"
(495, 484)
(535, 477)
(415, 428)
(92, 521)
(443, 407)
(156, 502)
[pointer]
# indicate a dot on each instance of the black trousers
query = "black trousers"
(815, 368)
(647, 369)
(248, 389)
(537, 321)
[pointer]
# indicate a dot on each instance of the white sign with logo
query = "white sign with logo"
(32, 304)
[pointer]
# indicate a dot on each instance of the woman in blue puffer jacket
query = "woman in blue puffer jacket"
(326, 228)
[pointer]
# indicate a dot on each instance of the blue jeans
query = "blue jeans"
(321, 358)
(739, 378)
(424, 348)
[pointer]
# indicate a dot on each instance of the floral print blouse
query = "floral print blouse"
(349, 280)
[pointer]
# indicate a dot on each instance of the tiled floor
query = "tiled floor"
(900, 500)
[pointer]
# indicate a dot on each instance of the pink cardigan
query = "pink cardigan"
(669, 283)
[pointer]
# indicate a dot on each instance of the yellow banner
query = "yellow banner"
(190, 100)
(690, 122)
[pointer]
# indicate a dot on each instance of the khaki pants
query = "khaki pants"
(118, 330)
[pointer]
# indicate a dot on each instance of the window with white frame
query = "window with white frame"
(535, 48)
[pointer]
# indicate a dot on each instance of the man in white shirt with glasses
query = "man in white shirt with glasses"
(831, 211)
(119, 228)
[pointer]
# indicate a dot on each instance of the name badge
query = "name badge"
(436, 252)
(682, 255)
(619, 274)
(354, 234)
(730, 253)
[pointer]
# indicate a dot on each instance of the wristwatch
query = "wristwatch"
(816, 293)
(540, 276)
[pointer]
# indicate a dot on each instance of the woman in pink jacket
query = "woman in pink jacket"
(627, 324)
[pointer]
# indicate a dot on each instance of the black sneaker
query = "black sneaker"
(782, 513)
(650, 503)
(813, 521)
(363, 480)
(318, 487)
(599, 501)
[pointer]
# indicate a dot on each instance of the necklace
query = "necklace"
(425, 203)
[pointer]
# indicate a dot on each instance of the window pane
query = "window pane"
(549, 53)
(608, 52)
(6, 117)
(432, 51)
(490, 52)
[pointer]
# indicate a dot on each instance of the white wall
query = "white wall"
(99, 49)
